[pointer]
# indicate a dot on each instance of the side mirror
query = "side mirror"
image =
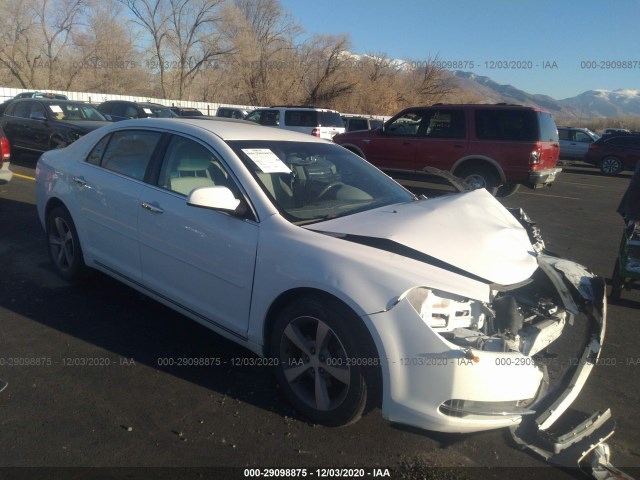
(38, 116)
(215, 198)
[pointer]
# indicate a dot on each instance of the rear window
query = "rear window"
(548, 129)
(513, 125)
(331, 119)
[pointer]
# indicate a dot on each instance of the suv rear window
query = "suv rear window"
(519, 125)
(548, 129)
(331, 119)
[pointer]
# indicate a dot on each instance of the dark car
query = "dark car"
(124, 110)
(613, 154)
(353, 124)
(187, 112)
(40, 124)
(5, 157)
(54, 96)
(232, 112)
(497, 147)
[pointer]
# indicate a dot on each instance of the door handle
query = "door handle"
(80, 181)
(151, 208)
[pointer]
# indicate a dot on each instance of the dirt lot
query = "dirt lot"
(90, 389)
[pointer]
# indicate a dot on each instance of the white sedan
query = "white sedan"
(356, 291)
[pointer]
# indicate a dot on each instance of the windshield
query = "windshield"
(74, 111)
(159, 112)
(310, 182)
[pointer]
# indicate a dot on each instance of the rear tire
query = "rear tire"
(507, 189)
(317, 343)
(610, 165)
(481, 176)
(64, 245)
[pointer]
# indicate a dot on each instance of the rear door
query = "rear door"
(107, 190)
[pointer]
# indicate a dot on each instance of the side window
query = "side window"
(36, 107)
(188, 165)
(583, 137)
(564, 134)
(444, 124)
(253, 116)
(22, 110)
(358, 124)
(514, 125)
(406, 125)
(129, 152)
(117, 109)
(95, 156)
(105, 109)
(131, 111)
(301, 118)
(10, 111)
(270, 118)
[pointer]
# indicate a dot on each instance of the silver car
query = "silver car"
(574, 142)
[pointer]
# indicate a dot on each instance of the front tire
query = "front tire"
(64, 245)
(610, 165)
(323, 367)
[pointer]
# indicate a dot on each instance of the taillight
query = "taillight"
(534, 157)
(315, 132)
(5, 151)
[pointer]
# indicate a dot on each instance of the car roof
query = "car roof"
(57, 101)
(227, 129)
(142, 104)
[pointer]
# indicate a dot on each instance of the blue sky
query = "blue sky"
(585, 45)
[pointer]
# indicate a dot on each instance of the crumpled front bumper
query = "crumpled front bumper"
(424, 374)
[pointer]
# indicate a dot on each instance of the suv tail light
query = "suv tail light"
(315, 132)
(534, 157)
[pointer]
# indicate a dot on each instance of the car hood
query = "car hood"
(471, 234)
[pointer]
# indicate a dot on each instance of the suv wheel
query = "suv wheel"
(610, 165)
(481, 176)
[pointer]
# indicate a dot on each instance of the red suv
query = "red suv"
(498, 147)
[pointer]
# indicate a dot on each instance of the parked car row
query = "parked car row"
(497, 147)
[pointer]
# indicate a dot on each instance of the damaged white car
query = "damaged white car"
(354, 289)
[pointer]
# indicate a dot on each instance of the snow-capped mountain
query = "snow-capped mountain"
(606, 103)
(593, 103)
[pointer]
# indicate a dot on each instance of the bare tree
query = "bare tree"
(57, 20)
(194, 38)
(153, 17)
(327, 63)
(263, 35)
(19, 43)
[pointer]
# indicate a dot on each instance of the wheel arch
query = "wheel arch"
(52, 203)
(354, 149)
